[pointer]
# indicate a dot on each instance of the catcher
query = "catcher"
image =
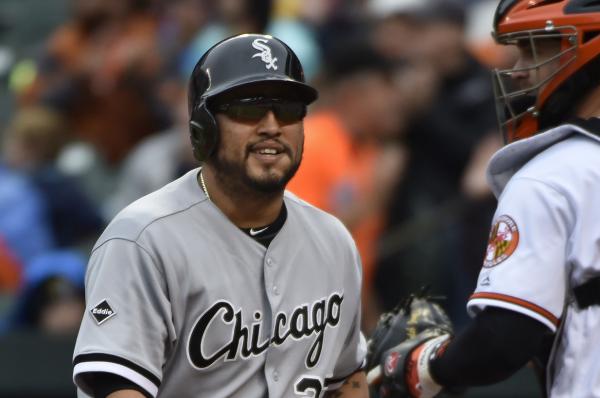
(540, 280)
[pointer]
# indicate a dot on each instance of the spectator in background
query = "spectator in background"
(229, 18)
(156, 161)
(52, 297)
(441, 209)
(10, 281)
(233, 17)
(351, 160)
(32, 143)
(179, 22)
(24, 224)
(332, 20)
(99, 71)
(10, 271)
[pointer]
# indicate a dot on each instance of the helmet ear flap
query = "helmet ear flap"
(203, 132)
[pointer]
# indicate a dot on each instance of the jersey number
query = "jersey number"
(307, 385)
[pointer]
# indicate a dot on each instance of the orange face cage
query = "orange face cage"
(574, 23)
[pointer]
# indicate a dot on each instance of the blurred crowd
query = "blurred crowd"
(396, 146)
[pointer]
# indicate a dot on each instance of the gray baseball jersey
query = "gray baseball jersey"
(184, 304)
(544, 243)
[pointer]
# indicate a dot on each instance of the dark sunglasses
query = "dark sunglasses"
(254, 109)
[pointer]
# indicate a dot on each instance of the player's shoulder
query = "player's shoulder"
(560, 155)
(160, 206)
(564, 162)
(310, 216)
(578, 148)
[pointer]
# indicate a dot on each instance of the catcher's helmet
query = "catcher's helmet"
(240, 61)
(551, 99)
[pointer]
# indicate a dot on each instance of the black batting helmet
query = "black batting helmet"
(240, 61)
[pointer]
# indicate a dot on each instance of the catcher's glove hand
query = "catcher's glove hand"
(417, 328)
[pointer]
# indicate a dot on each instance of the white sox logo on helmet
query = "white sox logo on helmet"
(265, 53)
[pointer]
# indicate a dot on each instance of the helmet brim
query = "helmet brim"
(273, 85)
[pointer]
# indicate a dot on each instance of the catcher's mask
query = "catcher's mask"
(230, 66)
(558, 82)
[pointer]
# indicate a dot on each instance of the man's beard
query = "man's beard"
(233, 176)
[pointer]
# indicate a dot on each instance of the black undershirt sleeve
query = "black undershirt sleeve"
(104, 384)
(493, 347)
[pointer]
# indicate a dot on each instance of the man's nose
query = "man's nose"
(521, 71)
(269, 124)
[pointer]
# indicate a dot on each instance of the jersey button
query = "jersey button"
(269, 262)
(275, 376)
(276, 290)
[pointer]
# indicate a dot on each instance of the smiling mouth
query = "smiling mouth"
(268, 151)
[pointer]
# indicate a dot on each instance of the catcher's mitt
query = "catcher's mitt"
(416, 319)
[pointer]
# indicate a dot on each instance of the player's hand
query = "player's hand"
(404, 369)
(412, 331)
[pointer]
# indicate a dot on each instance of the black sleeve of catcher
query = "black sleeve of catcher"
(103, 384)
(494, 346)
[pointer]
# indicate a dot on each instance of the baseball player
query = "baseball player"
(221, 284)
(540, 280)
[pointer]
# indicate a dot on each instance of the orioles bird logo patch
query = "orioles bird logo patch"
(504, 238)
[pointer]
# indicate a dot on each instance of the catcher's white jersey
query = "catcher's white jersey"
(184, 304)
(545, 240)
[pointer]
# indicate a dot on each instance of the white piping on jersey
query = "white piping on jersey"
(118, 369)
(487, 302)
